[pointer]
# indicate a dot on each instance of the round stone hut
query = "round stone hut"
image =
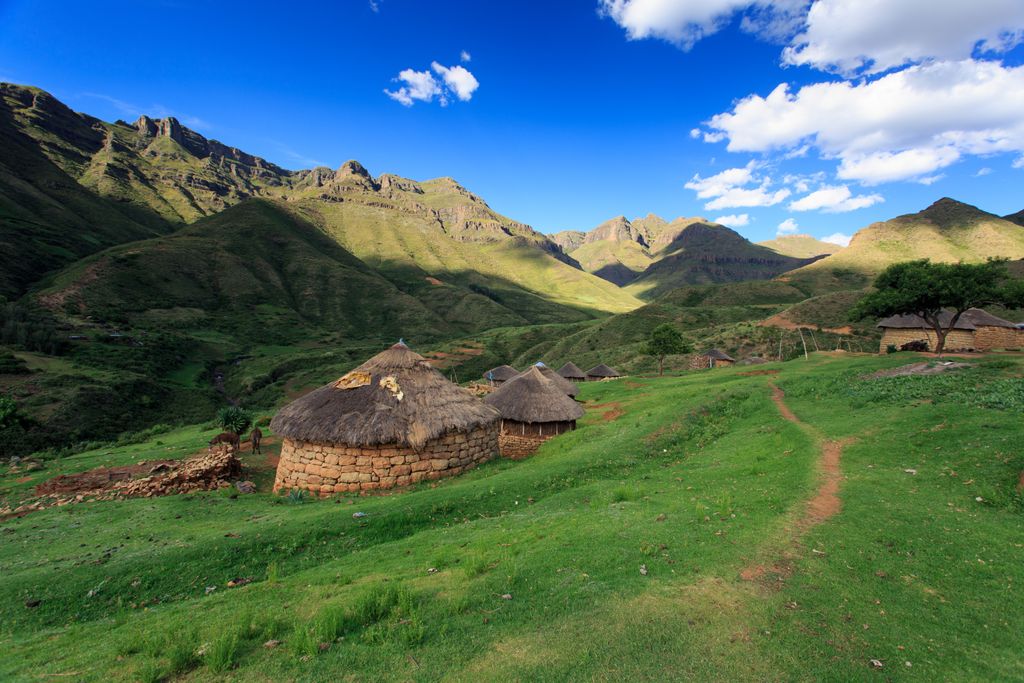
(602, 371)
(392, 421)
(572, 372)
(501, 374)
(533, 409)
(562, 383)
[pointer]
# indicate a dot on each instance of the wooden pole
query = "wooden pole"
(811, 332)
(803, 341)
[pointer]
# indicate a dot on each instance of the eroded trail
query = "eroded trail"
(824, 504)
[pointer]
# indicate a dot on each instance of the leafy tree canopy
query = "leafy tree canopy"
(665, 340)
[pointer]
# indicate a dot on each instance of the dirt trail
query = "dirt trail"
(824, 504)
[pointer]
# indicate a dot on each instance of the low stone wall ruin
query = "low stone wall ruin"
(519, 440)
(327, 469)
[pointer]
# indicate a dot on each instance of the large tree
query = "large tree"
(926, 289)
(665, 340)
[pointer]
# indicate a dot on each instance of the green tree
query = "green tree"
(234, 419)
(927, 289)
(665, 340)
(8, 411)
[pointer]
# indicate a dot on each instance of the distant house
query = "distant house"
(712, 358)
(501, 374)
(568, 388)
(572, 372)
(975, 330)
(533, 409)
(602, 371)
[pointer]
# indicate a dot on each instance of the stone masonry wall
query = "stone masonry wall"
(997, 338)
(956, 339)
(326, 469)
(519, 440)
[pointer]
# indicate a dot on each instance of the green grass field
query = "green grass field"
(625, 550)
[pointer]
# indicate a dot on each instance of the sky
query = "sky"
(773, 117)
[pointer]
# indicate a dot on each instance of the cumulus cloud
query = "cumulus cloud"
(787, 227)
(458, 79)
(375, 6)
(872, 36)
(834, 199)
(1018, 162)
(734, 220)
(684, 22)
(839, 238)
(465, 56)
(903, 125)
(423, 86)
(845, 36)
(736, 187)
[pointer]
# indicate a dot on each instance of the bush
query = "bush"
(891, 348)
(234, 419)
(222, 653)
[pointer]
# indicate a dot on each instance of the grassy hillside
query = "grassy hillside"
(671, 535)
(947, 230)
(800, 246)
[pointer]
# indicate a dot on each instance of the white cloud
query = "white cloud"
(465, 56)
(458, 79)
(736, 187)
(422, 86)
(787, 227)
(1018, 162)
(734, 220)
(839, 238)
(983, 172)
(847, 36)
(834, 199)
(684, 22)
(931, 179)
(375, 5)
(873, 36)
(902, 125)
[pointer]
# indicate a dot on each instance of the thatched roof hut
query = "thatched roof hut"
(393, 407)
(572, 372)
(712, 358)
(502, 373)
(602, 371)
(566, 386)
(533, 409)
(976, 329)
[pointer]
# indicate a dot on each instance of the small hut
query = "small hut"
(569, 388)
(975, 330)
(602, 371)
(392, 421)
(533, 409)
(712, 358)
(501, 374)
(571, 372)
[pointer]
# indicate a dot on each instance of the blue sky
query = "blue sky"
(564, 114)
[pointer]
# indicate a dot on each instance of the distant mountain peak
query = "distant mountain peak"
(948, 213)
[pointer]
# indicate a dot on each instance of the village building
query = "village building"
(975, 330)
(533, 409)
(501, 374)
(392, 421)
(600, 372)
(568, 388)
(572, 372)
(712, 358)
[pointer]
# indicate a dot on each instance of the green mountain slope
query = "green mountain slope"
(800, 246)
(1017, 218)
(705, 253)
(947, 231)
(47, 218)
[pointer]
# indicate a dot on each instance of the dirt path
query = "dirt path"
(823, 505)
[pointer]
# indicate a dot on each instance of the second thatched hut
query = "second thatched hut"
(501, 374)
(533, 409)
(562, 383)
(572, 372)
(600, 372)
(392, 421)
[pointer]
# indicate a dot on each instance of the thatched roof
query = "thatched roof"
(718, 355)
(972, 319)
(571, 371)
(568, 387)
(602, 370)
(532, 397)
(396, 397)
(502, 373)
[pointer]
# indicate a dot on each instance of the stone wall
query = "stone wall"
(699, 362)
(955, 340)
(988, 338)
(519, 440)
(326, 469)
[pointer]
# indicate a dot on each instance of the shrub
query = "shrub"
(221, 655)
(234, 419)
(891, 348)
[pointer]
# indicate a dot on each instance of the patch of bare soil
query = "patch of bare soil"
(100, 478)
(612, 411)
(928, 368)
(819, 508)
